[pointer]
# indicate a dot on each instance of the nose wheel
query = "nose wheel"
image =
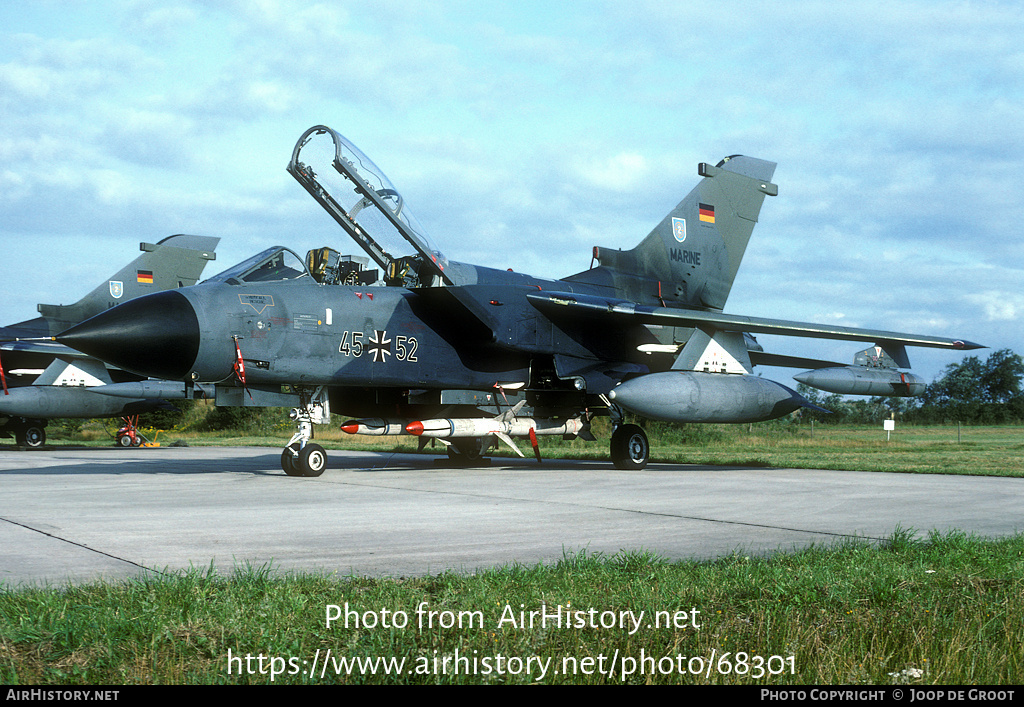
(290, 459)
(310, 460)
(302, 457)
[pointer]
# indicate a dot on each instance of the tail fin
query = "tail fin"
(692, 256)
(176, 261)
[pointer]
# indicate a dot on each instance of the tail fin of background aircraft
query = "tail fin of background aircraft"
(691, 258)
(176, 261)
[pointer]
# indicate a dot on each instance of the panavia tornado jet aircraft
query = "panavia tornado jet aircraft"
(415, 344)
(42, 380)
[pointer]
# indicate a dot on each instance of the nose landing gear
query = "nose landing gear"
(301, 457)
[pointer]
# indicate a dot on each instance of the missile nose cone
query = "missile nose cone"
(414, 428)
(156, 335)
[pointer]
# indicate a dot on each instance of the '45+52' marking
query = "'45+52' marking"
(379, 345)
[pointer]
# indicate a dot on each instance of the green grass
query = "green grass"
(990, 450)
(945, 610)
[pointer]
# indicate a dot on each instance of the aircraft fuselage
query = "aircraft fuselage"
(300, 332)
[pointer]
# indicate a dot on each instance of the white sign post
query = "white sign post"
(888, 426)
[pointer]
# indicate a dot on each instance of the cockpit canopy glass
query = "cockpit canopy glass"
(361, 198)
(272, 264)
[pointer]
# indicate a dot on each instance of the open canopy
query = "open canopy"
(366, 204)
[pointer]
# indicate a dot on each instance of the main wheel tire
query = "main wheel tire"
(31, 436)
(312, 460)
(289, 460)
(465, 453)
(630, 448)
(468, 452)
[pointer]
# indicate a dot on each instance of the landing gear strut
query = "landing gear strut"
(301, 457)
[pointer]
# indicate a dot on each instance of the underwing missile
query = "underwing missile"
(375, 426)
(861, 380)
(483, 427)
(692, 396)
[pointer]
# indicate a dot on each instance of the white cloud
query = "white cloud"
(622, 172)
(999, 306)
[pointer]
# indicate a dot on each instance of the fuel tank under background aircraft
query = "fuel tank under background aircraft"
(414, 344)
(873, 372)
(42, 380)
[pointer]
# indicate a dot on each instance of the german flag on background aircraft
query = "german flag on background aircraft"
(707, 213)
(145, 277)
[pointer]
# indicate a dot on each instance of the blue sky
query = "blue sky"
(522, 134)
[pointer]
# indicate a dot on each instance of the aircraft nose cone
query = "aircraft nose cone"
(156, 335)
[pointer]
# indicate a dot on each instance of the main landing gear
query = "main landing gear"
(630, 449)
(301, 457)
(31, 434)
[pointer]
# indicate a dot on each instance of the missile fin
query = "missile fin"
(508, 440)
